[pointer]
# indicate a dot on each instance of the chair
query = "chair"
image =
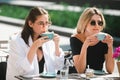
(3, 58)
(68, 55)
(3, 66)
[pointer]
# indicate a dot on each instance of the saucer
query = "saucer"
(99, 72)
(29, 76)
(48, 75)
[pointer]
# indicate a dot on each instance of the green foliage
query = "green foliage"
(62, 18)
(13, 11)
(112, 26)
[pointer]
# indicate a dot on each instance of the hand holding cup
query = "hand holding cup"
(49, 34)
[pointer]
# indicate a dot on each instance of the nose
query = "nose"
(96, 25)
(44, 25)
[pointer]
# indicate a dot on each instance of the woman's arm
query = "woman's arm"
(80, 51)
(33, 49)
(56, 40)
(59, 54)
(18, 59)
(108, 57)
(109, 60)
(80, 60)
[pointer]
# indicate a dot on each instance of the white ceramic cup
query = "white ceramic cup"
(101, 36)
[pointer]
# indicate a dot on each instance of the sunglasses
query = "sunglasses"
(93, 23)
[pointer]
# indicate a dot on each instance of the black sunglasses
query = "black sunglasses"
(93, 23)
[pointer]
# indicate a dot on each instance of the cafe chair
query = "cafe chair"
(3, 67)
(69, 57)
(3, 58)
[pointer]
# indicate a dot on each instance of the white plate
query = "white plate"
(29, 76)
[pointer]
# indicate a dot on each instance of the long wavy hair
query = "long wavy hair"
(32, 16)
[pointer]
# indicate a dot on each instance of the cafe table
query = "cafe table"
(75, 76)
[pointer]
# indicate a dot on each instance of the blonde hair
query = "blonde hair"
(86, 17)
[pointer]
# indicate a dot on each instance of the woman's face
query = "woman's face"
(95, 25)
(40, 25)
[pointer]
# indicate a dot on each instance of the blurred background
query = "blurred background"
(64, 13)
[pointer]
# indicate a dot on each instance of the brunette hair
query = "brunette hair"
(32, 16)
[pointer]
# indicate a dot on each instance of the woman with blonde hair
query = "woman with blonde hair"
(86, 47)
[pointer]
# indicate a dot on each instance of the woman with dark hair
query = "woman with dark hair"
(28, 48)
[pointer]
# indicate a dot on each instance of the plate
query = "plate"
(28, 76)
(84, 77)
(48, 75)
(99, 72)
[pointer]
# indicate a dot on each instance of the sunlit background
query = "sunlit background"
(64, 16)
(64, 13)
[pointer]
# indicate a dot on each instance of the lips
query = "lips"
(96, 29)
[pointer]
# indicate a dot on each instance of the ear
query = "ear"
(30, 24)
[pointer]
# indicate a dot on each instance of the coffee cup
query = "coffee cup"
(101, 36)
(49, 34)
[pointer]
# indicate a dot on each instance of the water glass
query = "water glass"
(64, 73)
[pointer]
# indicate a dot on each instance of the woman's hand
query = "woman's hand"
(108, 40)
(56, 38)
(91, 40)
(39, 42)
